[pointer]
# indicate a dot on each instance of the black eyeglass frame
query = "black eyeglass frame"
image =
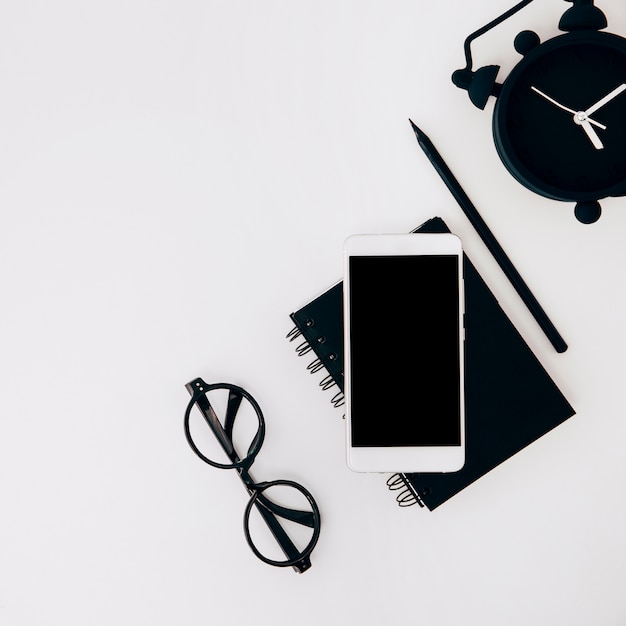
(298, 559)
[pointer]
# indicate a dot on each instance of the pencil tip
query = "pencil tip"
(420, 134)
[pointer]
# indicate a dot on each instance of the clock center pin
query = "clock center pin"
(580, 117)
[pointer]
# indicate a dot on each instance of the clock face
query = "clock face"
(560, 121)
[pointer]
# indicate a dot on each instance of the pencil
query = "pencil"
(489, 240)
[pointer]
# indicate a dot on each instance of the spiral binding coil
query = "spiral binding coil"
(315, 366)
(406, 496)
(294, 333)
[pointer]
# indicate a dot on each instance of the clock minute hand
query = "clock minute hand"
(561, 106)
(600, 103)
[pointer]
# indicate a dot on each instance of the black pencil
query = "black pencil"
(490, 241)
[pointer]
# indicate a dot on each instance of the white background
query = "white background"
(176, 177)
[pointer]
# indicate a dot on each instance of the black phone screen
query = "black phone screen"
(405, 383)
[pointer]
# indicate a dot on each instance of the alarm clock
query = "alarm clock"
(559, 121)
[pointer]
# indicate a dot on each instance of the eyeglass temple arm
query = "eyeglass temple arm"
(283, 539)
(304, 518)
(268, 509)
(214, 423)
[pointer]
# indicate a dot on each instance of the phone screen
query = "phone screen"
(404, 350)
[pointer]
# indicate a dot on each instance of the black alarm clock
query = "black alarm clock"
(559, 121)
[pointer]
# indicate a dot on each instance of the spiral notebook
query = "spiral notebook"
(510, 398)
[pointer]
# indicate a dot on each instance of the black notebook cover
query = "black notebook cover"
(510, 400)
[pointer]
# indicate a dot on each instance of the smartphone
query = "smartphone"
(404, 351)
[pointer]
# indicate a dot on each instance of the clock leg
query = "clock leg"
(587, 212)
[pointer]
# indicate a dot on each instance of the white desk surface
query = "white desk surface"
(179, 176)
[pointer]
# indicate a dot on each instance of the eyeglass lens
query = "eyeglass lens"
(298, 517)
(239, 425)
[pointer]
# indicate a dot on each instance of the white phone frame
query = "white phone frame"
(402, 458)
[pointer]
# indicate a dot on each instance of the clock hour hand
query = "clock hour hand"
(606, 99)
(591, 133)
(575, 113)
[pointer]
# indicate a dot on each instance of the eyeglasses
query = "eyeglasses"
(269, 501)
